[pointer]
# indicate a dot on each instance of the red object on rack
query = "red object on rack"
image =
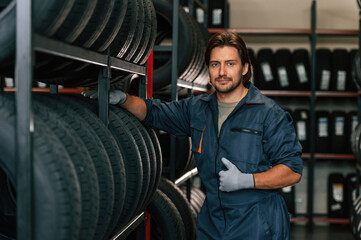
(150, 75)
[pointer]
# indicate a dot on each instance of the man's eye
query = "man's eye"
(214, 64)
(230, 64)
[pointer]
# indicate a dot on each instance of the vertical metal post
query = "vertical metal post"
(53, 88)
(311, 161)
(226, 14)
(103, 91)
(24, 121)
(174, 82)
(191, 7)
(143, 85)
(206, 12)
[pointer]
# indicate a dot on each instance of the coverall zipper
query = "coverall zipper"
(215, 121)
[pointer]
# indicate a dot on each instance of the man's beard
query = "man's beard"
(230, 88)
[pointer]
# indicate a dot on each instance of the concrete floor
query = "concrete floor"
(322, 232)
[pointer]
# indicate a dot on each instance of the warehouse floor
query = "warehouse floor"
(322, 232)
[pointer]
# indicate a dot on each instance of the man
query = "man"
(244, 145)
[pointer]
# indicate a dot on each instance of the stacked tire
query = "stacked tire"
(173, 216)
(125, 29)
(89, 180)
(191, 46)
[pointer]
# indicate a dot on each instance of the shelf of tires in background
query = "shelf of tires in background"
(313, 77)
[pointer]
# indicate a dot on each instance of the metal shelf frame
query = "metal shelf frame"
(26, 43)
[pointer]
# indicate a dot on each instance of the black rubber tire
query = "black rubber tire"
(145, 36)
(112, 27)
(149, 47)
(76, 20)
(99, 157)
(166, 222)
(159, 161)
(48, 17)
(57, 205)
(197, 198)
(96, 24)
(134, 128)
(83, 165)
(112, 149)
(138, 33)
(132, 161)
(126, 33)
(176, 195)
(152, 158)
(164, 11)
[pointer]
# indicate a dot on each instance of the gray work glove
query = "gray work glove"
(115, 96)
(233, 179)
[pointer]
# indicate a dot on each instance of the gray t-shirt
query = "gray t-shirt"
(224, 110)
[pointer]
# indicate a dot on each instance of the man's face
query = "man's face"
(225, 69)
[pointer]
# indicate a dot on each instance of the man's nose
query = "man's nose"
(222, 70)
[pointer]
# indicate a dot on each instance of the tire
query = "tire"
(166, 222)
(159, 161)
(84, 167)
(48, 17)
(176, 195)
(162, 70)
(144, 154)
(152, 186)
(57, 205)
(132, 161)
(112, 149)
(138, 33)
(126, 33)
(98, 155)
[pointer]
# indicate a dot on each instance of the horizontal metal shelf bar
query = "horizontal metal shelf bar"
(321, 220)
(190, 85)
(262, 31)
(285, 31)
(133, 224)
(200, 5)
(60, 90)
(333, 156)
(159, 48)
(287, 93)
(58, 48)
(186, 176)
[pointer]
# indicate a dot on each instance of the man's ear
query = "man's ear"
(245, 69)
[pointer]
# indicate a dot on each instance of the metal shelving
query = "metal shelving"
(26, 43)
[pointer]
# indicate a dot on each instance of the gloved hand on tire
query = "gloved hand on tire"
(115, 96)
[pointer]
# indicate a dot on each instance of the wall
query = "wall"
(331, 14)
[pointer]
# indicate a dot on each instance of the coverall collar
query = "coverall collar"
(253, 96)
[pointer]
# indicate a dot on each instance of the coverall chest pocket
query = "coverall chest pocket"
(246, 147)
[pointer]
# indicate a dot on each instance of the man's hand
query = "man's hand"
(233, 179)
(115, 96)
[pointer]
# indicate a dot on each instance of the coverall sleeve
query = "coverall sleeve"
(171, 117)
(281, 143)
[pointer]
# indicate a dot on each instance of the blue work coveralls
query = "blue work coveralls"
(256, 136)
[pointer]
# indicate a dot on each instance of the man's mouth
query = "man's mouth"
(223, 80)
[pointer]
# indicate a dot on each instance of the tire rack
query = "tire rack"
(26, 43)
(175, 83)
(312, 33)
